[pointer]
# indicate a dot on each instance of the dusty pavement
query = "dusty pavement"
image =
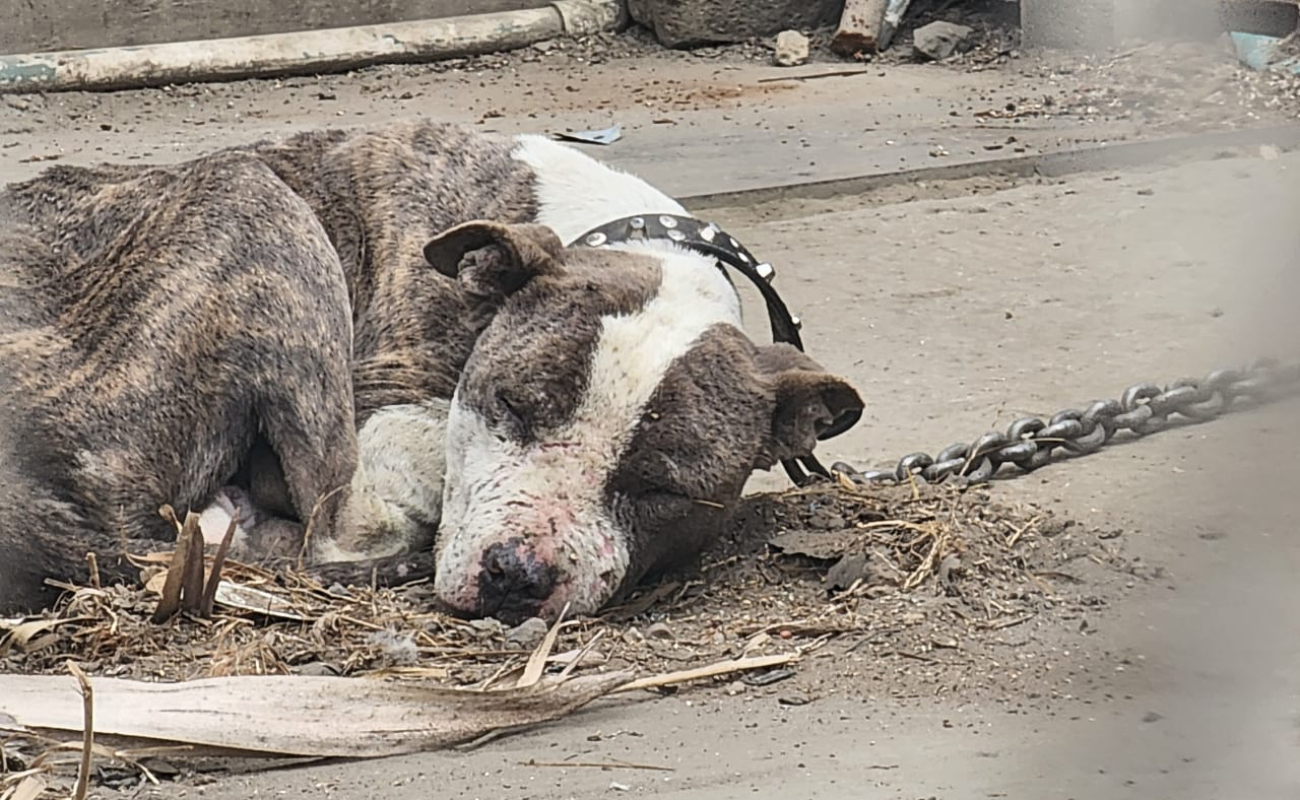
(963, 307)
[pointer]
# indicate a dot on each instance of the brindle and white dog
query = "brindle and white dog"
(382, 332)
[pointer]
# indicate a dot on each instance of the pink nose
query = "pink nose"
(513, 583)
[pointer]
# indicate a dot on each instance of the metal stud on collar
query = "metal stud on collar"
(708, 239)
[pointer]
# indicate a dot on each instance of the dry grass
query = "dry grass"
(920, 571)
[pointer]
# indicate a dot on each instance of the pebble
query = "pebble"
(938, 40)
(660, 631)
(527, 633)
(791, 49)
(486, 627)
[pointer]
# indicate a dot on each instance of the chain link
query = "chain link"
(1143, 408)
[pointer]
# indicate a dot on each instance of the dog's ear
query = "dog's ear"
(493, 260)
(810, 404)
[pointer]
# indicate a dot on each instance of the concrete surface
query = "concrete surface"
(955, 306)
(36, 26)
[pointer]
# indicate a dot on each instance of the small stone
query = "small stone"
(736, 687)
(486, 627)
(619, 787)
(1270, 152)
(396, 648)
(1152, 716)
(1146, 192)
(527, 633)
(315, 669)
(938, 40)
(791, 49)
(848, 570)
(660, 631)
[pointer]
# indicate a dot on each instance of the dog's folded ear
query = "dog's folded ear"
(493, 260)
(811, 404)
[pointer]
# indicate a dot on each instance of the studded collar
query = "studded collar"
(708, 239)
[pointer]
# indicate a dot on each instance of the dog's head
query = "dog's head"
(607, 420)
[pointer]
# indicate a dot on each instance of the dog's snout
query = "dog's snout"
(514, 582)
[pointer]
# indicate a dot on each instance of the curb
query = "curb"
(1048, 165)
(304, 52)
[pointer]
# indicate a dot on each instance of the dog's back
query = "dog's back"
(157, 322)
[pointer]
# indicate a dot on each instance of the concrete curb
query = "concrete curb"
(1054, 164)
(304, 52)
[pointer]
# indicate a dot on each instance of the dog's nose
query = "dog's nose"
(513, 583)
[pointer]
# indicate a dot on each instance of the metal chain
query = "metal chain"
(1144, 408)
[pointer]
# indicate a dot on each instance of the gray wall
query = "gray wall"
(44, 25)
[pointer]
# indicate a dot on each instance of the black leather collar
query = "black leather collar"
(710, 240)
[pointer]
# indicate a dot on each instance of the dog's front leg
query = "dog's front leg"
(394, 500)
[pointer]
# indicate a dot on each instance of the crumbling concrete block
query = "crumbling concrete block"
(1099, 24)
(681, 23)
(938, 40)
(791, 49)
(860, 27)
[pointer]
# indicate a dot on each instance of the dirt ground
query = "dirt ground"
(955, 308)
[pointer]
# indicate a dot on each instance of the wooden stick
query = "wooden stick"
(87, 734)
(218, 561)
(839, 73)
(192, 584)
(171, 590)
(92, 566)
(710, 671)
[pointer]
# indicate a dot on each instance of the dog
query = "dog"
(356, 344)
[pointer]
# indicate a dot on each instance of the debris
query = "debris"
(1261, 52)
(820, 545)
(711, 671)
(87, 731)
(293, 715)
(527, 633)
(791, 49)
(1270, 152)
(28, 637)
(767, 678)
(848, 571)
(660, 631)
(838, 73)
(603, 136)
(860, 27)
(945, 566)
(395, 648)
(938, 40)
